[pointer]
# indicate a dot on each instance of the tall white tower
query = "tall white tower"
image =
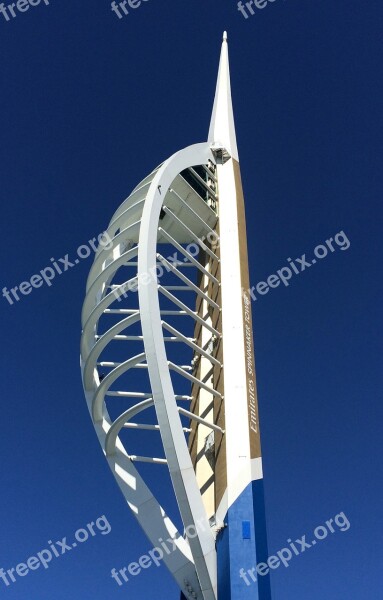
(167, 351)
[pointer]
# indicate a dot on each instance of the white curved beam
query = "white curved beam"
(98, 399)
(90, 360)
(148, 512)
(193, 564)
(112, 435)
(176, 450)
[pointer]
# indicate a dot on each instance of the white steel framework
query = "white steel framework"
(154, 322)
(138, 229)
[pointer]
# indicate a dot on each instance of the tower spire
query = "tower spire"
(222, 128)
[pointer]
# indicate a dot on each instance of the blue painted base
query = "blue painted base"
(241, 546)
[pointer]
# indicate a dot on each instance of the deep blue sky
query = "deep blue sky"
(89, 105)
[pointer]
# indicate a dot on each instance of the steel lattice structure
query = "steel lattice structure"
(184, 328)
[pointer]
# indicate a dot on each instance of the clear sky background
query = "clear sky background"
(89, 105)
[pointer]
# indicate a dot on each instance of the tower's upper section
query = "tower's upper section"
(222, 128)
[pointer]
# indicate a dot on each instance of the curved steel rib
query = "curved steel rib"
(136, 229)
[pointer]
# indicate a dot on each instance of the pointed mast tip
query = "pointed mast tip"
(222, 128)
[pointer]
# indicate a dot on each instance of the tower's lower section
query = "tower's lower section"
(241, 546)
